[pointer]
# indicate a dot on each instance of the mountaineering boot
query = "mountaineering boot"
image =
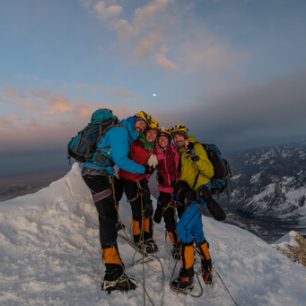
(149, 245)
(206, 267)
(184, 281)
(176, 252)
(206, 272)
(116, 279)
(136, 231)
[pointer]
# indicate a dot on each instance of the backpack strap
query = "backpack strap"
(196, 180)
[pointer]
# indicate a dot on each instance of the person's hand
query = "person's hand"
(152, 162)
(189, 146)
(148, 169)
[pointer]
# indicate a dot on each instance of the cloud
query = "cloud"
(124, 93)
(5, 124)
(268, 114)
(19, 97)
(51, 124)
(145, 29)
(33, 135)
(165, 62)
(116, 92)
(148, 44)
(106, 11)
(168, 34)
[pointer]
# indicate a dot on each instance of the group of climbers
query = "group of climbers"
(138, 147)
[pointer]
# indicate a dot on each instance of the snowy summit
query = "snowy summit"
(50, 256)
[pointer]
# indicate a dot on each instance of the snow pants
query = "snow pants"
(168, 215)
(105, 201)
(190, 226)
(139, 197)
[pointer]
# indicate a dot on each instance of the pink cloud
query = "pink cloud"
(148, 44)
(58, 106)
(116, 92)
(164, 62)
(5, 123)
(157, 32)
(209, 54)
(147, 28)
(33, 135)
(125, 93)
(16, 134)
(21, 98)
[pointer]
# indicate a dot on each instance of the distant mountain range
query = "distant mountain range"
(270, 182)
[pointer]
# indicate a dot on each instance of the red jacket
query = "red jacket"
(141, 156)
(168, 168)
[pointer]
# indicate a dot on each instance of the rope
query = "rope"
(226, 288)
(174, 268)
(148, 257)
(143, 256)
(218, 274)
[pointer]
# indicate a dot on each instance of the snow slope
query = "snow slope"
(50, 255)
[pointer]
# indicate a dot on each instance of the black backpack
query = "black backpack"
(82, 146)
(221, 179)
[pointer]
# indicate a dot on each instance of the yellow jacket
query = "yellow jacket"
(190, 169)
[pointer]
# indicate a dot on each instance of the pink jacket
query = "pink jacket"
(168, 168)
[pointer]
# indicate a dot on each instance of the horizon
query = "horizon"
(32, 171)
(233, 71)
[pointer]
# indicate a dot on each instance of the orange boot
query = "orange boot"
(185, 279)
(203, 250)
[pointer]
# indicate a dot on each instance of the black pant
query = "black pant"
(104, 200)
(168, 213)
(139, 196)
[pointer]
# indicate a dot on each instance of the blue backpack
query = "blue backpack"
(82, 146)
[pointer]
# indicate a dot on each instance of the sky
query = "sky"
(234, 71)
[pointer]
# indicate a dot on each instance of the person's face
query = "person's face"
(140, 126)
(151, 135)
(163, 141)
(179, 140)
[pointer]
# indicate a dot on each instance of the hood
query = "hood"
(129, 123)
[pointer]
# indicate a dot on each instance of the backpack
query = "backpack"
(221, 178)
(82, 146)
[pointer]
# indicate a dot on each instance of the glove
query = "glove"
(189, 147)
(148, 169)
(160, 179)
(194, 158)
(205, 193)
(191, 152)
(152, 162)
(183, 194)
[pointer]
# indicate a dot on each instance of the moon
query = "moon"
(154, 94)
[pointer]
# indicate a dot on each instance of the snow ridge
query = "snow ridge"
(50, 255)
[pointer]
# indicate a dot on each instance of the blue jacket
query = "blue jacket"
(114, 148)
